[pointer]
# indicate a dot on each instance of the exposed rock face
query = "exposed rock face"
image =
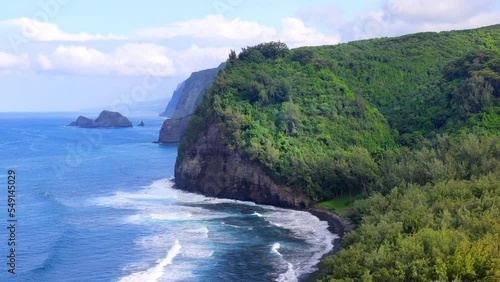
(173, 130)
(112, 119)
(105, 119)
(82, 121)
(189, 93)
(193, 90)
(169, 111)
(185, 99)
(141, 124)
(210, 168)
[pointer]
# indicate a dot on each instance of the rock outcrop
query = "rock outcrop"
(82, 121)
(112, 119)
(173, 130)
(106, 119)
(185, 99)
(210, 168)
(141, 124)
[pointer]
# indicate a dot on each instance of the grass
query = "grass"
(338, 205)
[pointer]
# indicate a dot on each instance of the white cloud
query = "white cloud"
(398, 17)
(42, 31)
(211, 40)
(295, 34)
(241, 33)
(128, 59)
(212, 26)
(14, 63)
(198, 58)
(441, 11)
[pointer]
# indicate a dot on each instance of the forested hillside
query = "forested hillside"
(411, 124)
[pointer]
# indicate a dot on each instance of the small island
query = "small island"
(106, 119)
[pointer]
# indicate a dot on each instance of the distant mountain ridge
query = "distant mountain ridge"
(189, 92)
(186, 97)
(172, 104)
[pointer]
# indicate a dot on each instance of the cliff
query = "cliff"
(183, 103)
(173, 130)
(106, 119)
(169, 111)
(188, 94)
(210, 168)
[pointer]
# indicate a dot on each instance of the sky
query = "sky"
(69, 55)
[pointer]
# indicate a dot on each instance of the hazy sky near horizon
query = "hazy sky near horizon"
(67, 55)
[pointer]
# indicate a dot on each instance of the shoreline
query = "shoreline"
(337, 225)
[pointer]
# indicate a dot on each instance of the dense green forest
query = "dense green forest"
(411, 124)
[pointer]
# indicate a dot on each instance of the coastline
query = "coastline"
(337, 225)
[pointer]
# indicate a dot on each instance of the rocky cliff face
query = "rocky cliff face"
(210, 168)
(172, 130)
(172, 105)
(105, 119)
(192, 92)
(185, 99)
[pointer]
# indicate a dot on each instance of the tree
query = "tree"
(289, 118)
(473, 96)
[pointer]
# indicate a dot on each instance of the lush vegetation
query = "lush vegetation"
(440, 222)
(340, 205)
(411, 124)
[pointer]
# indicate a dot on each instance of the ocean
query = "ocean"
(98, 205)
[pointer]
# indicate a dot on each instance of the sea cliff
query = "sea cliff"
(184, 100)
(210, 168)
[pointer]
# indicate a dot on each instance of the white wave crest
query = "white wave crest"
(156, 272)
(289, 275)
(275, 249)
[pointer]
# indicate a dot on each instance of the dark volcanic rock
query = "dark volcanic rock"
(141, 124)
(173, 130)
(185, 99)
(82, 121)
(105, 119)
(112, 119)
(210, 168)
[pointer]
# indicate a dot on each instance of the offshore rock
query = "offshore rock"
(106, 119)
(82, 121)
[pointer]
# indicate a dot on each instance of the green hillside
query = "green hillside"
(411, 124)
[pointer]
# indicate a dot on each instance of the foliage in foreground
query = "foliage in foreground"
(447, 229)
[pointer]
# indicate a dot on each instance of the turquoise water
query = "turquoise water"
(98, 205)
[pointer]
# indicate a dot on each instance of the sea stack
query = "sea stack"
(106, 119)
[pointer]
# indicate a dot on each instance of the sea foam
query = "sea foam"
(156, 272)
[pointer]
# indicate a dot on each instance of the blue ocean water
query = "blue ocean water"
(98, 205)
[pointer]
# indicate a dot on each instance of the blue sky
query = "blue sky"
(67, 55)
